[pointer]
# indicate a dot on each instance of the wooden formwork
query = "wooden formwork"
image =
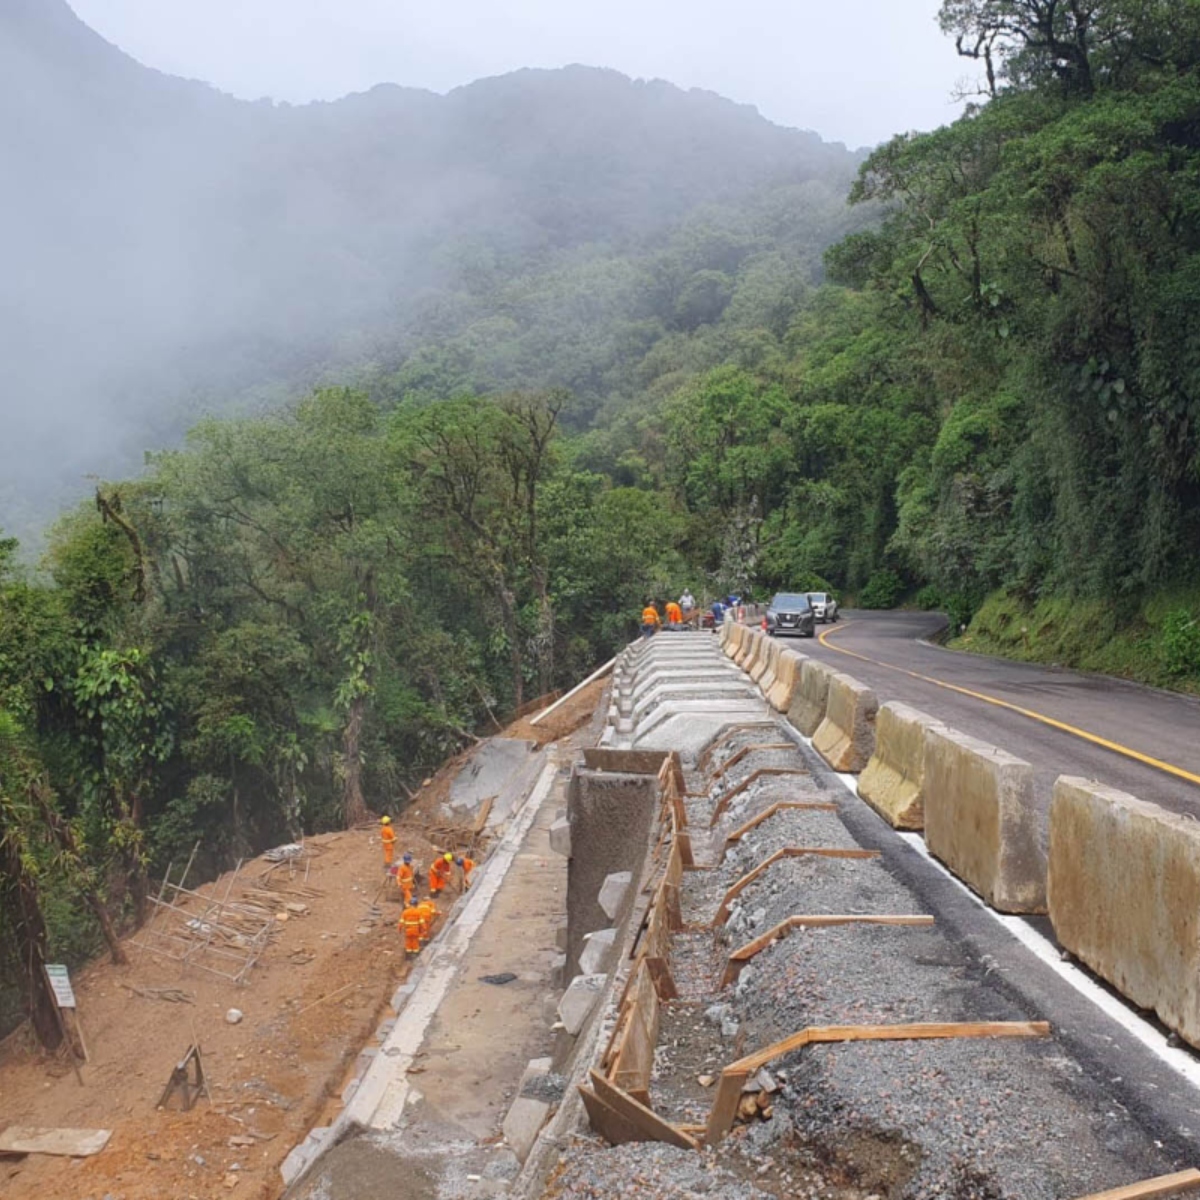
(734, 1076)
(738, 789)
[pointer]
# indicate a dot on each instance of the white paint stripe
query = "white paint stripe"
(381, 1096)
(1179, 1060)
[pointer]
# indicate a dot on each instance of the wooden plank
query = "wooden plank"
(761, 773)
(740, 957)
(921, 1031)
(624, 762)
(660, 974)
(725, 1105)
(779, 806)
(787, 852)
(611, 1125)
(485, 811)
(1164, 1185)
(686, 856)
(745, 751)
(649, 1125)
(68, 1143)
(728, 736)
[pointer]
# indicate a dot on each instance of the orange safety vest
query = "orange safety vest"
(439, 873)
(674, 613)
(649, 615)
(410, 923)
(428, 912)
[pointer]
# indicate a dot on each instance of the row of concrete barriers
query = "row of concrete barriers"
(1120, 879)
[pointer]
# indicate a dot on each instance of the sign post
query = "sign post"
(59, 981)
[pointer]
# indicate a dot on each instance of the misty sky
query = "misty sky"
(854, 70)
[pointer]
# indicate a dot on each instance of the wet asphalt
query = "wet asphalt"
(1161, 725)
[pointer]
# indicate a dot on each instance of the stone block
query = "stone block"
(807, 710)
(560, 837)
(787, 679)
(980, 820)
(893, 782)
(596, 949)
(613, 892)
(846, 738)
(523, 1123)
(1124, 897)
(558, 970)
(579, 1000)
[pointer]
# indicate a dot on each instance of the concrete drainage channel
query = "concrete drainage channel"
(762, 990)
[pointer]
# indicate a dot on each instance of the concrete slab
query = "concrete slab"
(596, 949)
(579, 1000)
(613, 891)
(488, 771)
(523, 1124)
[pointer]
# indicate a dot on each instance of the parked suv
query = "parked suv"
(790, 613)
(824, 606)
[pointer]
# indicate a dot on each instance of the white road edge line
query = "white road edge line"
(1178, 1060)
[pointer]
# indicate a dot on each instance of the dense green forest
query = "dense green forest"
(975, 388)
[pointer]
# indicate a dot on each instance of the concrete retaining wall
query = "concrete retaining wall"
(981, 822)
(845, 739)
(787, 679)
(893, 782)
(611, 816)
(750, 648)
(1124, 896)
(807, 709)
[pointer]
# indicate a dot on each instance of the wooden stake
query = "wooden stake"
(648, 1125)
(761, 773)
(1164, 1185)
(787, 852)
(728, 736)
(754, 748)
(734, 1076)
(779, 806)
(740, 957)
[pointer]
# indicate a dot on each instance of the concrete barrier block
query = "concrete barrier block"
(893, 782)
(596, 949)
(1124, 897)
(560, 837)
(981, 822)
(766, 671)
(807, 710)
(523, 1123)
(750, 648)
(787, 679)
(578, 1001)
(845, 739)
(737, 637)
(613, 892)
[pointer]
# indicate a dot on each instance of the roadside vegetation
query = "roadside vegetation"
(987, 400)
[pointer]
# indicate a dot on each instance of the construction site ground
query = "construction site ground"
(311, 1004)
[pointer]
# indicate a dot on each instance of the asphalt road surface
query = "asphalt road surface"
(887, 652)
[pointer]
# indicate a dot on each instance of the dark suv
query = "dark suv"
(790, 613)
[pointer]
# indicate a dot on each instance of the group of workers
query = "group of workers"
(681, 615)
(418, 917)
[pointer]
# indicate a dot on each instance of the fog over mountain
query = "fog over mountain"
(170, 250)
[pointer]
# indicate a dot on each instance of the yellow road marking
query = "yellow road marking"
(1074, 731)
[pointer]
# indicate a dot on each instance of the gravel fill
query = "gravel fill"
(549, 1087)
(787, 760)
(992, 1120)
(644, 1171)
(814, 884)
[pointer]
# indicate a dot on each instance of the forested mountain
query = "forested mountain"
(169, 249)
(589, 353)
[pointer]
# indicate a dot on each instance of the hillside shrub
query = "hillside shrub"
(1181, 642)
(883, 590)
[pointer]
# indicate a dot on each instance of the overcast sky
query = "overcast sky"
(854, 70)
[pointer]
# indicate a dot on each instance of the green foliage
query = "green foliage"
(884, 590)
(1181, 643)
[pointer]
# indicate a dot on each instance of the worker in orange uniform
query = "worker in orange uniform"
(674, 613)
(439, 872)
(387, 835)
(410, 925)
(466, 866)
(405, 878)
(429, 912)
(650, 621)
